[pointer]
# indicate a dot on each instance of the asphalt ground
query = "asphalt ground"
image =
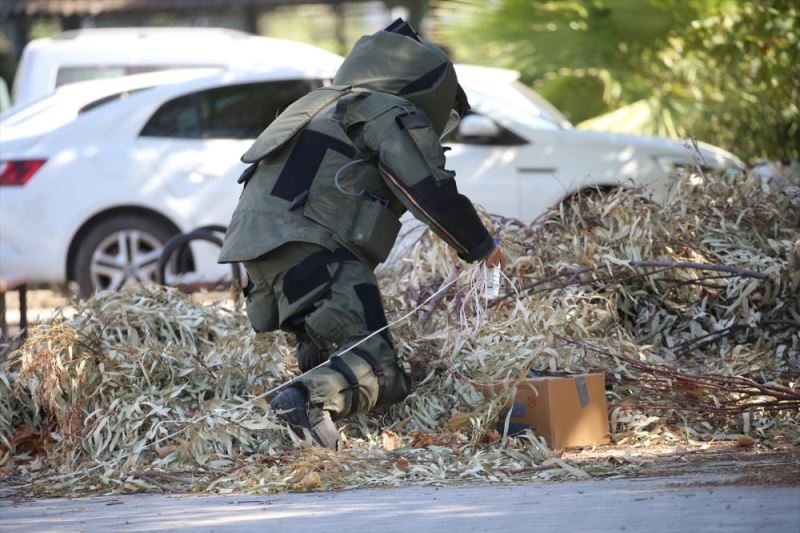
(687, 503)
(706, 492)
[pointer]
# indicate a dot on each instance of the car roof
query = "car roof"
(150, 49)
(150, 32)
(173, 46)
(87, 91)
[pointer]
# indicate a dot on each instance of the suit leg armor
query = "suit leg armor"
(308, 354)
(332, 298)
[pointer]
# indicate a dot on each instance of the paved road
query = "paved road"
(647, 505)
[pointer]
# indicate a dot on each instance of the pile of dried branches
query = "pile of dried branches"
(692, 310)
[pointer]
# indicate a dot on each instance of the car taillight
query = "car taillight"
(19, 172)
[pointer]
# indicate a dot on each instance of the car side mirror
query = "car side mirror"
(478, 126)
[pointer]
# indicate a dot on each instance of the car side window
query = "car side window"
(232, 112)
(243, 111)
(177, 118)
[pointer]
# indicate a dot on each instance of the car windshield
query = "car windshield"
(519, 103)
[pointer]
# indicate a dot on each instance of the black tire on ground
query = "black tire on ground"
(142, 238)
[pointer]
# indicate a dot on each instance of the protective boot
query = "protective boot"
(292, 406)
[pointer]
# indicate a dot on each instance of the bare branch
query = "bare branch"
(664, 387)
(428, 310)
(661, 266)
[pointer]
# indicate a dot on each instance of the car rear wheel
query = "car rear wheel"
(118, 252)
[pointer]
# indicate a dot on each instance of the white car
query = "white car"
(517, 155)
(97, 53)
(93, 200)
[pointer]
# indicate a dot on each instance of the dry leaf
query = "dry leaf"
(26, 440)
(165, 450)
(457, 421)
(491, 436)
(311, 480)
(390, 441)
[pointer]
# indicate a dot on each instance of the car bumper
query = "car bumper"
(15, 264)
(27, 250)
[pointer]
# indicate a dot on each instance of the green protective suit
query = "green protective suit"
(327, 183)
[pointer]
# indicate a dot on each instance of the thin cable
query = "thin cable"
(339, 185)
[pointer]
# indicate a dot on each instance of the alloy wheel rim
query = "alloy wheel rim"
(124, 258)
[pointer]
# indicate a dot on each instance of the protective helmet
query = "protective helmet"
(396, 60)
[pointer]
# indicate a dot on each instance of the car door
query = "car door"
(511, 172)
(485, 168)
(201, 136)
(199, 139)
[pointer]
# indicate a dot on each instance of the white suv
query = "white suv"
(95, 53)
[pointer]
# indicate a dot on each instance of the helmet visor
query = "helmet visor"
(452, 123)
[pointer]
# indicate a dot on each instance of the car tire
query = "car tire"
(119, 251)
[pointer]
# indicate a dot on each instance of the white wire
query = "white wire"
(338, 174)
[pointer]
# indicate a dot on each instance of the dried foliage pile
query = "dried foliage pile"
(692, 310)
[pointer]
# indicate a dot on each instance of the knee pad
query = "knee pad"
(309, 355)
(331, 326)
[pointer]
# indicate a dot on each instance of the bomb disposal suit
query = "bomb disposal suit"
(327, 183)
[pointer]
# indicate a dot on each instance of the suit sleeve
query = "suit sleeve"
(411, 162)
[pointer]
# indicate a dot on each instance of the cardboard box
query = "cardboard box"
(567, 411)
